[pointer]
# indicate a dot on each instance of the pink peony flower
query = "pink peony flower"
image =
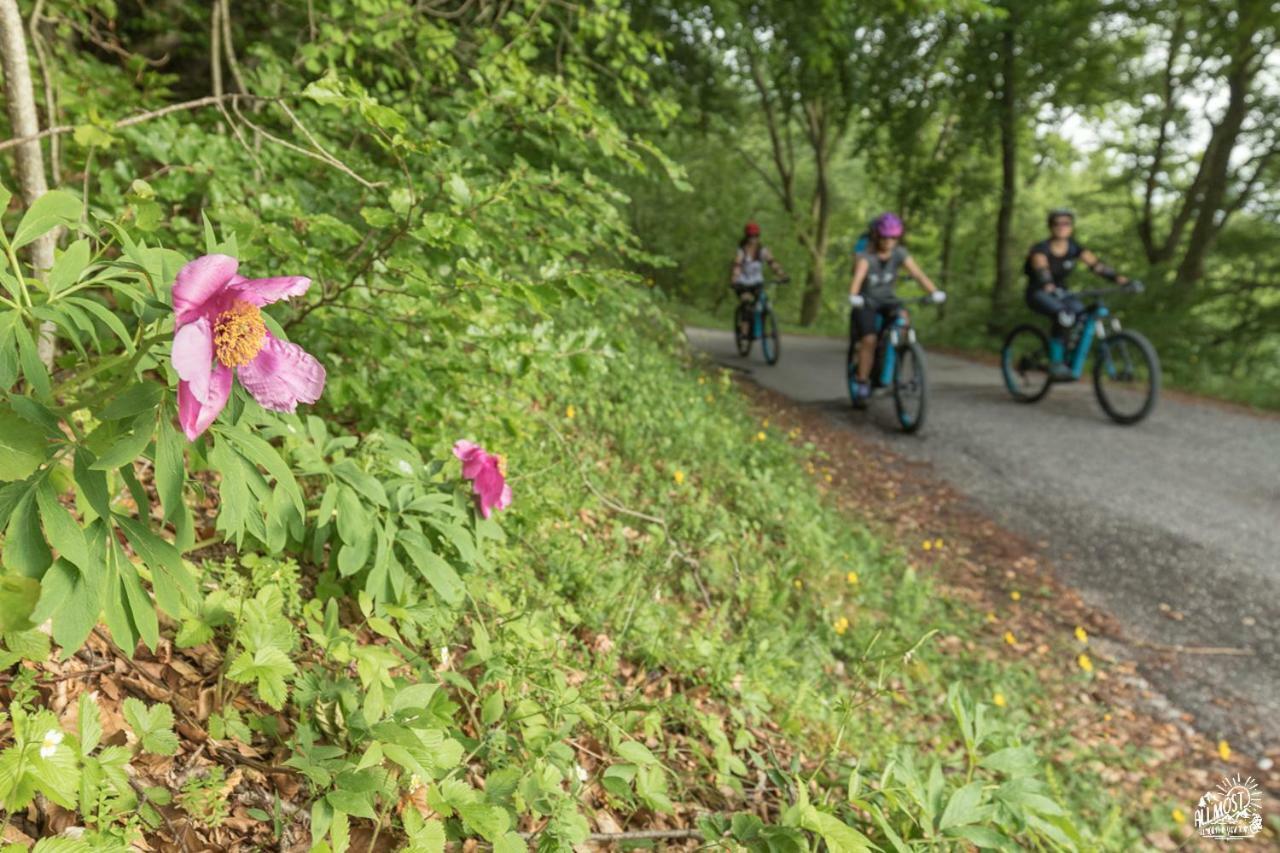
(219, 331)
(488, 476)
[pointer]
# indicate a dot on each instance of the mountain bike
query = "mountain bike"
(898, 364)
(1126, 369)
(760, 322)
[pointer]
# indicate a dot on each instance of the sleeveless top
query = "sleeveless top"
(1060, 266)
(752, 269)
(882, 274)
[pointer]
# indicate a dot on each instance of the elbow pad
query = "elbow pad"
(1044, 276)
(1103, 271)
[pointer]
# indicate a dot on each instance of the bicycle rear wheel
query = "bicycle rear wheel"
(1024, 363)
(742, 317)
(769, 342)
(910, 387)
(1126, 377)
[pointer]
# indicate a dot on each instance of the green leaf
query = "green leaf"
(89, 724)
(18, 598)
(129, 446)
(983, 837)
(33, 369)
(134, 400)
(62, 531)
(171, 473)
(142, 612)
(23, 446)
(1014, 760)
(153, 726)
(169, 575)
(54, 208)
(635, 752)
(964, 807)
(70, 264)
(442, 577)
(24, 547)
(73, 601)
(269, 667)
(840, 837)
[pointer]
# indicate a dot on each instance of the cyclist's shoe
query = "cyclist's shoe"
(1060, 372)
(863, 394)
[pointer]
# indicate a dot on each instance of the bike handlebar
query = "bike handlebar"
(1132, 287)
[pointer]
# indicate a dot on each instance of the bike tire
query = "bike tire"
(910, 387)
(1126, 343)
(741, 341)
(769, 344)
(1038, 348)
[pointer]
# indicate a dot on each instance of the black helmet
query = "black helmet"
(1060, 211)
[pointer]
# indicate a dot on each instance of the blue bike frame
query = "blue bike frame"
(890, 349)
(1081, 352)
(757, 320)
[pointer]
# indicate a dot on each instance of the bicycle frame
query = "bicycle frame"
(757, 319)
(1093, 327)
(892, 339)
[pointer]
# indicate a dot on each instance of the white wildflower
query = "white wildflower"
(49, 745)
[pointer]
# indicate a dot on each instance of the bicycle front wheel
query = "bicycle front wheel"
(742, 321)
(1024, 363)
(769, 342)
(1126, 377)
(910, 387)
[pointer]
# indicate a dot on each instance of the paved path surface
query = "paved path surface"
(1171, 526)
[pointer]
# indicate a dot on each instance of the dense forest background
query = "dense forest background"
(1155, 121)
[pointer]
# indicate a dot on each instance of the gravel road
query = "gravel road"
(1171, 526)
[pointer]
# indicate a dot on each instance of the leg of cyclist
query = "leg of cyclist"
(862, 335)
(1063, 308)
(746, 296)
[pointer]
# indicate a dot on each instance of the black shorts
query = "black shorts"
(862, 321)
(748, 292)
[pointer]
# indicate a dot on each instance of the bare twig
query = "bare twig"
(208, 101)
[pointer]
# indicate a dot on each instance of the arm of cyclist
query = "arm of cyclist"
(860, 268)
(927, 283)
(1101, 270)
(1040, 269)
(774, 265)
(736, 275)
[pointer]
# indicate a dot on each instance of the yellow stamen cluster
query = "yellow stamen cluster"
(238, 334)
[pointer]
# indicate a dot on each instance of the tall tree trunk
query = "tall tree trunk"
(1216, 169)
(948, 240)
(1008, 162)
(819, 214)
(21, 101)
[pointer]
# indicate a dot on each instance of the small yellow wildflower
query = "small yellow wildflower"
(797, 583)
(678, 476)
(991, 617)
(937, 543)
(760, 436)
(570, 412)
(1082, 635)
(841, 625)
(765, 423)
(1106, 718)
(1178, 817)
(794, 434)
(998, 699)
(1224, 750)
(1085, 663)
(827, 477)
(702, 380)
(926, 544)
(1009, 638)
(1015, 595)
(852, 577)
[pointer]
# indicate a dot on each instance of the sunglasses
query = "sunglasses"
(1059, 223)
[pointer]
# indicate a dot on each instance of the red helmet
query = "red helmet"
(752, 230)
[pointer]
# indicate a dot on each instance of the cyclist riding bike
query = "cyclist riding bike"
(748, 268)
(871, 292)
(1048, 266)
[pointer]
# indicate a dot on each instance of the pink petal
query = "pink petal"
(283, 375)
(264, 291)
(198, 282)
(192, 356)
(195, 415)
(464, 449)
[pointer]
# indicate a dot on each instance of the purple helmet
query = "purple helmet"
(887, 225)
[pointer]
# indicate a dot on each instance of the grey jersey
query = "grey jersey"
(882, 275)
